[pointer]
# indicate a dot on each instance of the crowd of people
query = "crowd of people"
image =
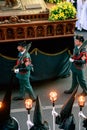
(22, 69)
(65, 119)
(78, 60)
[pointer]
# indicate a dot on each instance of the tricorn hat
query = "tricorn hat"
(22, 43)
(80, 38)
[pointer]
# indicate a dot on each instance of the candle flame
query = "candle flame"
(0, 105)
(53, 96)
(28, 103)
(81, 100)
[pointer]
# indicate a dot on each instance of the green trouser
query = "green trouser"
(79, 78)
(26, 86)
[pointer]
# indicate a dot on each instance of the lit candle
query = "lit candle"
(28, 103)
(0, 104)
(53, 96)
(81, 101)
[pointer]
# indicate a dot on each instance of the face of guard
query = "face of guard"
(79, 39)
(20, 48)
(78, 42)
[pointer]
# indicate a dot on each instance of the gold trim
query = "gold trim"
(36, 50)
(7, 57)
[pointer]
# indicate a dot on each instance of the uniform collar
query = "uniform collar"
(23, 51)
(78, 47)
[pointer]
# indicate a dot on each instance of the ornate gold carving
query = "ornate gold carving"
(35, 30)
(40, 31)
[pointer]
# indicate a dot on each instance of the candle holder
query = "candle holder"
(28, 104)
(81, 103)
(53, 98)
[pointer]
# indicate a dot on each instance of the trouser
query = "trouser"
(26, 86)
(79, 78)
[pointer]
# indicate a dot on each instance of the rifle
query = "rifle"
(22, 57)
(82, 53)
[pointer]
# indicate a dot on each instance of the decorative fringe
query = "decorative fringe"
(36, 50)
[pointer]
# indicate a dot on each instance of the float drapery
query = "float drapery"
(46, 65)
(50, 59)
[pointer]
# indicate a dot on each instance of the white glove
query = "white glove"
(71, 60)
(54, 113)
(82, 115)
(29, 124)
(16, 70)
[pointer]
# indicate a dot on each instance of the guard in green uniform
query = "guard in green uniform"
(78, 62)
(22, 71)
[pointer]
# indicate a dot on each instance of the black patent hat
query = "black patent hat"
(22, 43)
(80, 38)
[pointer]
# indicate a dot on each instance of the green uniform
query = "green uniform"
(78, 71)
(23, 76)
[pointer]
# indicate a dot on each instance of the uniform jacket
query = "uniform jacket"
(78, 63)
(24, 71)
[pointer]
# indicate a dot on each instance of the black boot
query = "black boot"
(68, 91)
(18, 98)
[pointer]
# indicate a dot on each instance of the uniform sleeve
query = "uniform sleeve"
(23, 67)
(80, 61)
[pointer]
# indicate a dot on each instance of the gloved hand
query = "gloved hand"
(82, 115)
(29, 124)
(16, 70)
(54, 113)
(71, 60)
